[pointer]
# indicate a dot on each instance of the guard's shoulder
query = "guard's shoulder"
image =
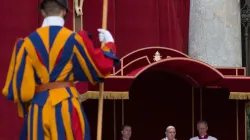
(72, 35)
(63, 30)
(20, 40)
(67, 29)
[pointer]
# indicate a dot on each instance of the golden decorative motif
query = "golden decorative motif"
(113, 95)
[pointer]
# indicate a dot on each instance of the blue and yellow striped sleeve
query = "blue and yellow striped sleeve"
(20, 81)
(92, 64)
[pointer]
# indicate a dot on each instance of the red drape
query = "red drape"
(141, 23)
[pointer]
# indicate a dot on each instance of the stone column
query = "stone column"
(215, 32)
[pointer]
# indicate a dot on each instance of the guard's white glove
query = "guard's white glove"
(105, 36)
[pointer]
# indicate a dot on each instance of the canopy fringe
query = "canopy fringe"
(239, 95)
(112, 95)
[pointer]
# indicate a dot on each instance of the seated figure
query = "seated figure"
(170, 133)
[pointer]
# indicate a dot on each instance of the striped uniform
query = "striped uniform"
(52, 54)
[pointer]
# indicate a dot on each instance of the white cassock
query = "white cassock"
(209, 138)
(166, 139)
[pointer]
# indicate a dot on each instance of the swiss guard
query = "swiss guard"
(42, 72)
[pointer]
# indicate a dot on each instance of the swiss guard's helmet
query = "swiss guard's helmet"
(63, 3)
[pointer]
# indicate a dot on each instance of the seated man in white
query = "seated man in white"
(170, 133)
(202, 128)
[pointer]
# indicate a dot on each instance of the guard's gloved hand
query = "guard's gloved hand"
(105, 36)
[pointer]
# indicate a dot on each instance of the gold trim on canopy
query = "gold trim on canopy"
(113, 95)
(239, 95)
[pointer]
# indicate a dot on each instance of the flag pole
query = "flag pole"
(101, 85)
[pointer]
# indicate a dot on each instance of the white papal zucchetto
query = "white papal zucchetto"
(170, 127)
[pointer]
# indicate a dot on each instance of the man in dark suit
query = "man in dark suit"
(126, 132)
